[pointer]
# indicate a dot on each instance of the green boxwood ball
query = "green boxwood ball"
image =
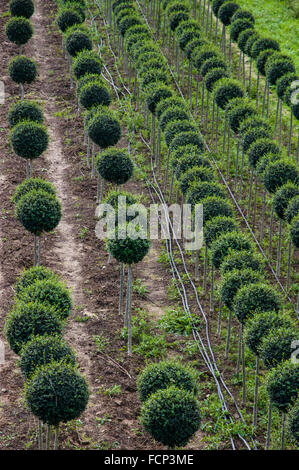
(282, 198)
(32, 184)
(87, 62)
(233, 281)
(194, 45)
(192, 175)
(155, 93)
(136, 29)
(218, 226)
(128, 250)
(278, 173)
(30, 276)
(255, 297)
(226, 12)
(226, 90)
(115, 166)
(89, 77)
(228, 242)
(259, 326)
(214, 206)
(199, 191)
(261, 147)
(216, 5)
(202, 54)
(23, 8)
(262, 60)
(242, 260)
(113, 198)
(187, 138)
(104, 129)
(21, 69)
(276, 346)
(27, 320)
(24, 110)
(152, 76)
(263, 44)
(176, 18)
(173, 101)
(146, 56)
(94, 94)
(249, 43)
(186, 37)
(174, 113)
(76, 6)
(238, 114)
(243, 37)
(175, 128)
(78, 42)
(38, 211)
(19, 30)
(251, 135)
(187, 25)
(243, 14)
(294, 231)
(158, 376)
(116, 3)
(42, 350)
(68, 18)
(292, 209)
(277, 68)
(212, 63)
(123, 6)
(29, 139)
(212, 77)
(184, 160)
(175, 7)
(293, 422)
(128, 21)
(238, 26)
(56, 393)
(253, 122)
(283, 385)
(171, 416)
(52, 294)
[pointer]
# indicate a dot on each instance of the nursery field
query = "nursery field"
(135, 341)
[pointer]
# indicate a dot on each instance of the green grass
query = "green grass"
(274, 18)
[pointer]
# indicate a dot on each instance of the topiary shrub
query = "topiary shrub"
(38, 211)
(195, 44)
(214, 206)
(56, 393)
(216, 4)
(187, 25)
(283, 385)
(212, 63)
(233, 281)
(27, 320)
(32, 184)
(77, 42)
(24, 110)
(261, 147)
(29, 139)
(22, 70)
(255, 297)
(242, 260)
(188, 159)
(276, 68)
(218, 226)
(238, 114)
(68, 18)
(156, 93)
(171, 416)
(176, 18)
(282, 198)
(128, 250)
(251, 135)
(171, 114)
(197, 173)
(276, 346)
(94, 94)
(226, 90)
(187, 138)
(88, 78)
(278, 173)
(292, 209)
(173, 101)
(243, 37)
(42, 350)
(212, 77)
(199, 191)
(187, 36)
(249, 43)
(158, 376)
(104, 129)
(238, 26)
(115, 166)
(87, 62)
(127, 22)
(23, 8)
(52, 294)
(152, 76)
(254, 122)
(30, 276)
(19, 30)
(262, 60)
(173, 129)
(226, 12)
(294, 231)
(293, 422)
(242, 15)
(228, 242)
(263, 44)
(202, 54)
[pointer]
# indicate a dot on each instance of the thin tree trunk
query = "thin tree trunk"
(279, 249)
(283, 431)
(256, 385)
(129, 310)
(121, 289)
(228, 334)
(269, 426)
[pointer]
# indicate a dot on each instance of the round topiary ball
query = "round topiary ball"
(242, 15)
(199, 191)
(212, 63)
(115, 166)
(233, 281)
(214, 206)
(293, 422)
(30, 276)
(176, 18)
(242, 260)
(77, 42)
(238, 26)
(238, 114)
(249, 43)
(194, 45)
(127, 22)
(171, 416)
(187, 36)
(226, 90)
(200, 55)
(57, 393)
(276, 346)
(151, 76)
(68, 18)
(126, 249)
(27, 320)
(104, 129)
(252, 134)
(212, 77)
(228, 242)
(29, 139)
(87, 62)
(22, 70)
(292, 209)
(263, 44)
(19, 30)
(156, 93)
(278, 173)
(260, 148)
(188, 159)
(256, 297)
(94, 94)
(277, 68)
(187, 138)
(38, 211)
(158, 376)
(192, 175)
(177, 127)
(24, 8)
(172, 114)
(32, 184)
(254, 122)
(226, 12)
(42, 350)
(24, 110)
(282, 198)
(294, 231)
(218, 226)
(51, 293)
(216, 4)
(262, 60)
(173, 101)
(243, 37)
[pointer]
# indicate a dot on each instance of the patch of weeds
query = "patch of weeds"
(113, 391)
(176, 320)
(101, 342)
(82, 232)
(151, 346)
(78, 179)
(79, 319)
(104, 419)
(139, 288)
(172, 291)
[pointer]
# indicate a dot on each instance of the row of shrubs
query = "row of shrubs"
(198, 184)
(55, 391)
